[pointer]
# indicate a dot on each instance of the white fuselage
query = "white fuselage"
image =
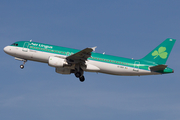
(108, 68)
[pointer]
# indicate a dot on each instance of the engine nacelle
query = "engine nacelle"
(56, 62)
(63, 70)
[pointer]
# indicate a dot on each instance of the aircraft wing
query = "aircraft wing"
(80, 56)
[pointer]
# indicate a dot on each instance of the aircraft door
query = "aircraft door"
(136, 66)
(25, 47)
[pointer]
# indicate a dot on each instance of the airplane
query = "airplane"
(68, 60)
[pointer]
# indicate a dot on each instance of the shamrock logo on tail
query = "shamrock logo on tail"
(161, 53)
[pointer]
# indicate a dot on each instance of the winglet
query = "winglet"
(94, 48)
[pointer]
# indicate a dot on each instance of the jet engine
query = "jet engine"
(56, 62)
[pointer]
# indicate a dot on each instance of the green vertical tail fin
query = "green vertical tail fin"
(161, 53)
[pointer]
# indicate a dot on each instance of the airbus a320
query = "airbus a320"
(68, 60)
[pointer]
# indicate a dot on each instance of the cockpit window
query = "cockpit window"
(15, 44)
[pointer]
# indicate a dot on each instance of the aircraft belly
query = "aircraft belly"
(21, 54)
(42, 56)
(33, 55)
(119, 69)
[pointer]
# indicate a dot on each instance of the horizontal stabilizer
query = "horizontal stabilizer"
(158, 68)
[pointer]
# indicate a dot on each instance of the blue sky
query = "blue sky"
(123, 28)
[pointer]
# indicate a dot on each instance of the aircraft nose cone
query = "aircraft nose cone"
(6, 49)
